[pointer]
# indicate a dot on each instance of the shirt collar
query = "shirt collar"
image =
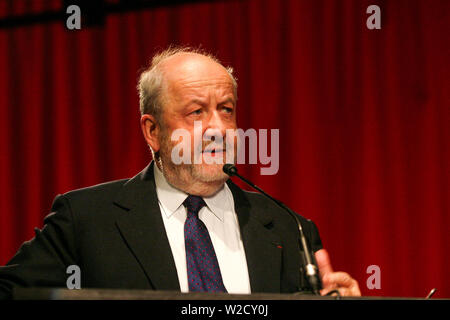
(172, 198)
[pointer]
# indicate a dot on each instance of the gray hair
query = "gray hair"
(151, 80)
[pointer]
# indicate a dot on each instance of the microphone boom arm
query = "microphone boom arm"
(311, 270)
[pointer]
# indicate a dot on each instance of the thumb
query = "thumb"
(323, 262)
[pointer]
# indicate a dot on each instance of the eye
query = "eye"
(227, 109)
(196, 112)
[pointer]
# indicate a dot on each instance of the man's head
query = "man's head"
(180, 88)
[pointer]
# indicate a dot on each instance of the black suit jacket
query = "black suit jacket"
(114, 232)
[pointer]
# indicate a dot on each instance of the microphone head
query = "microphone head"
(229, 169)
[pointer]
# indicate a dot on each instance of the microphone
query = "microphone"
(311, 270)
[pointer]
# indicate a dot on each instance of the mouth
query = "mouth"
(214, 151)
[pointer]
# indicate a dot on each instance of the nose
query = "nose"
(215, 124)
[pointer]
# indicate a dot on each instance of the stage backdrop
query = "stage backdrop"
(363, 118)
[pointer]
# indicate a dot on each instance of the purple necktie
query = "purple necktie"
(202, 266)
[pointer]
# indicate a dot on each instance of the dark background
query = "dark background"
(363, 115)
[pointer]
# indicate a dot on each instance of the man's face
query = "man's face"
(199, 91)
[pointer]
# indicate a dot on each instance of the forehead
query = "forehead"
(194, 74)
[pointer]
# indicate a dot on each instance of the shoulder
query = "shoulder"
(91, 195)
(96, 192)
(96, 198)
(101, 199)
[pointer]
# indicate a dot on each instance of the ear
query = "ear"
(151, 130)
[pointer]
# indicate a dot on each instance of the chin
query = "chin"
(197, 179)
(209, 173)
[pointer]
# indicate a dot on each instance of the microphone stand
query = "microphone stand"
(311, 270)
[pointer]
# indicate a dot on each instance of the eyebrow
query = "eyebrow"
(204, 103)
(196, 101)
(229, 99)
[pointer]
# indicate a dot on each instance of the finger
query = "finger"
(326, 292)
(323, 262)
(354, 289)
(339, 279)
(343, 292)
(327, 283)
(350, 292)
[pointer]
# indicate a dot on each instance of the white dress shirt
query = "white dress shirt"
(221, 221)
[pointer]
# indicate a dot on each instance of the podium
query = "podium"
(121, 303)
(121, 294)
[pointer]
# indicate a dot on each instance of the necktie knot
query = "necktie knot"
(193, 204)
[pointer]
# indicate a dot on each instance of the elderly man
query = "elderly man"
(174, 226)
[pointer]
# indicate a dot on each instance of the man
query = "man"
(174, 226)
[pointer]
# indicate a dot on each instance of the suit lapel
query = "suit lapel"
(142, 228)
(262, 246)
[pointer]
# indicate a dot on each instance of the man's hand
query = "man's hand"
(341, 281)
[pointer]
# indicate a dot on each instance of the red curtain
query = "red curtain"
(363, 118)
